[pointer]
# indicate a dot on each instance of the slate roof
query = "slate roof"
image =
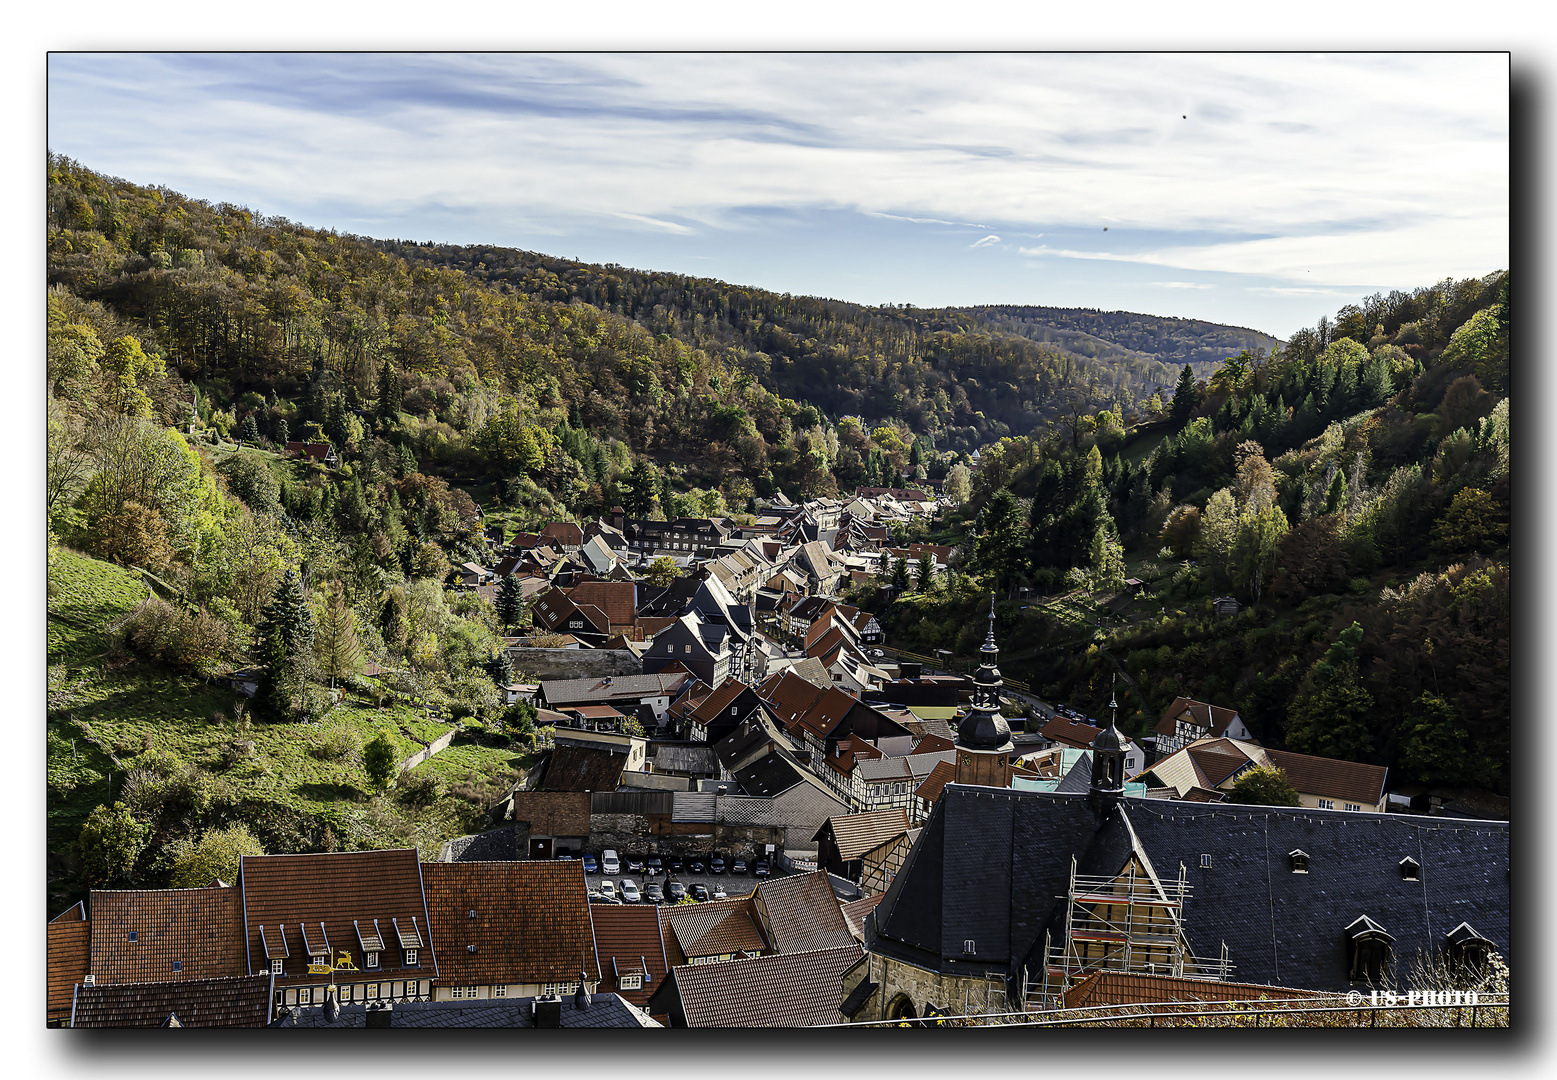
(199, 929)
(355, 894)
(238, 1001)
(531, 921)
(553, 813)
(693, 759)
(769, 775)
(583, 768)
(559, 692)
(605, 1011)
(800, 914)
(912, 767)
(628, 938)
(69, 937)
(855, 834)
(990, 864)
(790, 695)
(784, 990)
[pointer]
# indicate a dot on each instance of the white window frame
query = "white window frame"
(411, 958)
(500, 990)
(630, 982)
(276, 967)
(1354, 807)
(319, 959)
(370, 960)
(1325, 804)
(560, 989)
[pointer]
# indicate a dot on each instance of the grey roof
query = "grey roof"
(910, 767)
(992, 866)
(699, 758)
(573, 691)
(692, 806)
(605, 1011)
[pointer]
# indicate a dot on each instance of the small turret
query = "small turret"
(983, 736)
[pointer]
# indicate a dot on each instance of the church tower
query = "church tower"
(1108, 752)
(983, 742)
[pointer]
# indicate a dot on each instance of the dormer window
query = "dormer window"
(630, 982)
(1467, 951)
(1299, 860)
(319, 960)
(178, 965)
(1205, 862)
(1410, 869)
(411, 958)
(275, 967)
(134, 935)
(370, 960)
(1368, 947)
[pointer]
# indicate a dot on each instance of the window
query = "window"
(630, 982)
(969, 946)
(134, 936)
(543, 605)
(410, 958)
(275, 967)
(561, 989)
(305, 996)
(370, 960)
(320, 961)
(1327, 804)
(1354, 807)
(1410, 869)
(733, 709)
(500, 990)
(1299, 860)
(1205, 862)
(372, 990)
(686, 648)
(178, 965)
(458, 992)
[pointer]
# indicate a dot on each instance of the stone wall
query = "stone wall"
(957, 995)
(540, 664)
(638, 835)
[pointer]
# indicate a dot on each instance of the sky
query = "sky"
(1258, 189)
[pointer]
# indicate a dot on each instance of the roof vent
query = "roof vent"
(470, 948)
(472, 913)
(1205, 862)
(1410, 869)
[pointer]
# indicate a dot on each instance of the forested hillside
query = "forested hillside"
(1111, 335)
(1351, 490)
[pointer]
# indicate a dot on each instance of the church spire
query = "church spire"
(984, 747)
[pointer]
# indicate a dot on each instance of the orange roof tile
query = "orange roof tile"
(531, 922)
(628, 937)
(199, 929)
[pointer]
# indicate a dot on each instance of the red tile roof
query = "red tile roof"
(1214, 718)
(617, 599)
(1104, 988)
(531, 922)
(718, 702)
(628, 937)
(786, 990)
(1068, 732)
(566, 533)
(939, 777)
(357, 896)
(199, 929)
(583, 768)
(854, 913)
(69, 961)
(799, 913)
(789, 695)
(1351, 781)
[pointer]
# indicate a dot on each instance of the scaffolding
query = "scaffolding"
(1130, 922)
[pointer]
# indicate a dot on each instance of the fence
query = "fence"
(440, 743)
(1490, 1010)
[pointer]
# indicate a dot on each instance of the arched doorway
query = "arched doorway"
(901, 1008)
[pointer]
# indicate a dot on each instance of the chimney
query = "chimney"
(548, 1011)
(379, 1015)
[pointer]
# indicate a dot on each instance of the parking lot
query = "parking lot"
(733, 884)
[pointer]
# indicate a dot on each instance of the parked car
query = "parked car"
(630, 890)
(696, 866)
(654, 865)
(759, 868)
(609, 864)
(635, 864)
(719, 893)
(675, 890)
(738, 866)
(653, 893)
(716, 863)
(677, 866)
(591, 866)
(608, 890)
(699, 891)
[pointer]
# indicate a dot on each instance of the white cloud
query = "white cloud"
(986, 241)
(1182, 285)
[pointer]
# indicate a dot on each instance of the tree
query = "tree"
(213, 857)
(499, 668)
(127, 365)
(335, 636)
(1218, 531)
(925, 570)
(1105, 560)
(1185, 395)
(282, 435)
(381, 758)
(1264, 785)
(250, 478)
(509, 603)
(288, 618)
(389, 394)
(1001, 543)
(1472, 523)
(900, 574)
(959, 483)
(110, 842)
(1181, 532)
(1331, 714)
(662, 571)
(519, 721)
(1254, 552)
(249, 432)
(1309, 560)
(1437, 749)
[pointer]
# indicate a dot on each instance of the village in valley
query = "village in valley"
(865, 617)
(747, 812)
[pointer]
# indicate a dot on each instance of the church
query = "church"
(1010, 897)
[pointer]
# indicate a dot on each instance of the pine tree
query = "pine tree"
(389, 393)
(250, 431)
(1331, 713)
(335, 639)
(1185, 395)
(509, 603)
(282, 433)
(499, 668)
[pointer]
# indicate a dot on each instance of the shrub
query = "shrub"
(335, 742)
(110, 842)
(195, 640)
(420, 790)
(215, 855)
(381, 758)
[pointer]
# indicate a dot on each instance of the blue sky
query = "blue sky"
(1262, 190)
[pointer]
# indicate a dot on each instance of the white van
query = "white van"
(609, 864)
